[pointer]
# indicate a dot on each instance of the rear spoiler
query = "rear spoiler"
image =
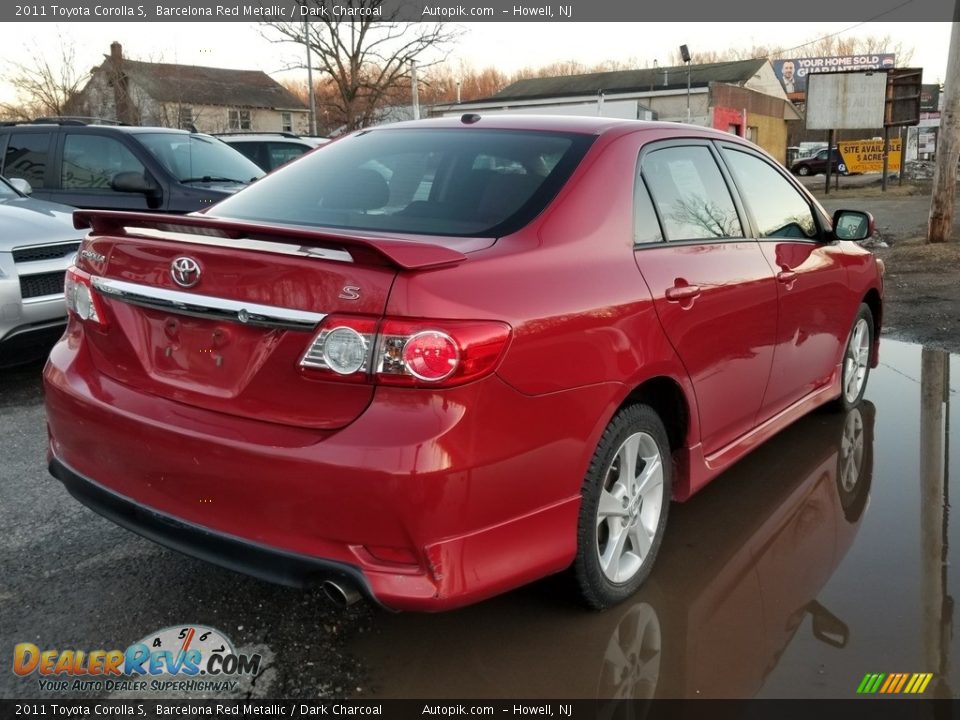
(204, 230)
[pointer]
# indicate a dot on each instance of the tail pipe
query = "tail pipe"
(340, 593)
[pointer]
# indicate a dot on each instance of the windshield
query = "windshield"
(7, 192)
(199, 158)
(468, 182)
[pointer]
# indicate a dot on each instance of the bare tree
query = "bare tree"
(366, 57)
(44, 85)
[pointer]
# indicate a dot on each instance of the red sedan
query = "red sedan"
(445, 358)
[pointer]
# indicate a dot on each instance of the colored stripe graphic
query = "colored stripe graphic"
(894, 683)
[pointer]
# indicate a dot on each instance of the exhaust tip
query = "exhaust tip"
(339, 594)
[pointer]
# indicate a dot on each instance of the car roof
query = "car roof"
(587, 125)
(262, 137)
(129, 129)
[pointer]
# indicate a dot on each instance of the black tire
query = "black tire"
(636, 519)
(850, 363)
(803, 171)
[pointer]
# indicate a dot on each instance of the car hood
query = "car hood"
(26, 221)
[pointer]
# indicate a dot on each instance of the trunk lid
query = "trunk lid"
(217, 313)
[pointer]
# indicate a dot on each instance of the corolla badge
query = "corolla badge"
(185, 271)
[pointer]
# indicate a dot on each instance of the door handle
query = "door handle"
(682, 292)
(786, 276)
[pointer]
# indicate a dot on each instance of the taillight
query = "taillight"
(343, 347)
(406, 352)
(81, 298)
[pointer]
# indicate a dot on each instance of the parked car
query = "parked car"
(118, 167)
(817, 164)
(270, 150)
(37, 243)
(500, 363)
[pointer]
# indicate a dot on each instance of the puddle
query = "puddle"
(821, 557)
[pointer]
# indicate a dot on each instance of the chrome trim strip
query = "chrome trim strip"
(206, 306)
(241, 244)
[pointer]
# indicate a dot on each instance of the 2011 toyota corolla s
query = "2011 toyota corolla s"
(442, 359)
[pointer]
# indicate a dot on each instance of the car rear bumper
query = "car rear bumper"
(427, 501)
(265, 563)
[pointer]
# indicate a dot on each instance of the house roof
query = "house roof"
(618, 81)
(193, 84)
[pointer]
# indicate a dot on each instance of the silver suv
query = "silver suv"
(37, 243)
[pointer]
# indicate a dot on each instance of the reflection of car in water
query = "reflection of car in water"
(713, 621)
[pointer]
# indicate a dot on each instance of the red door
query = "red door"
(714, 292)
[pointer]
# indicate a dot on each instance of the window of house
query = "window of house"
(286, 122)
(26, 157)
(691, 196)
(239, 119)
(753, 132)
(90, 162)
(185, 118)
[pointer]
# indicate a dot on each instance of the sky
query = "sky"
(506, 46)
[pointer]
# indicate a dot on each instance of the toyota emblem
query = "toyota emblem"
(185, 271)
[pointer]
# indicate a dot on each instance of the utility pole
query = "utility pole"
(940, 226)
(313, 99)
(414, 89)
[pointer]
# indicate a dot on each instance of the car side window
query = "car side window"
(90, 162)
(778, 208)
(646, 226)
(282, 153)
(690, 194)
(26, 157)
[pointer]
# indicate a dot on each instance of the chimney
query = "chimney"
(122, 102)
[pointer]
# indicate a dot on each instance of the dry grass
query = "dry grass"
(917, 256)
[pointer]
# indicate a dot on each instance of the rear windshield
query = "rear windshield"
(465, 182)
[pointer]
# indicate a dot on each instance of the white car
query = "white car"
(37, 243)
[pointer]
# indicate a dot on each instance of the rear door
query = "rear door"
(713, 290)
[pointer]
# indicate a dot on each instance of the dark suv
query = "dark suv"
(114, 167)
(817, 164)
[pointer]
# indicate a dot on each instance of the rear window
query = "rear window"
(464, 182)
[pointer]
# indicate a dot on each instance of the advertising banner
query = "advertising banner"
(793, 73)
(863, 156)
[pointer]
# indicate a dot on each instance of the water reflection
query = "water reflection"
(742, 569)
(937, 603)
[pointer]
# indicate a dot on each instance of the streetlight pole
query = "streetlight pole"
(685, 54)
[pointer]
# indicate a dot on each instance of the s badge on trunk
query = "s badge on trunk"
(185, 271)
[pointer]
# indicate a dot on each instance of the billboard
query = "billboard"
(849, 100)
(793, 73)
(929, 98)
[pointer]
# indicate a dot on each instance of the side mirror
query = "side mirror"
(827, 627)
(853, 225)
(134, 182)
(21, 185)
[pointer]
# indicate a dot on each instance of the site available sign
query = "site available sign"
(864, 156)
(793, 73)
